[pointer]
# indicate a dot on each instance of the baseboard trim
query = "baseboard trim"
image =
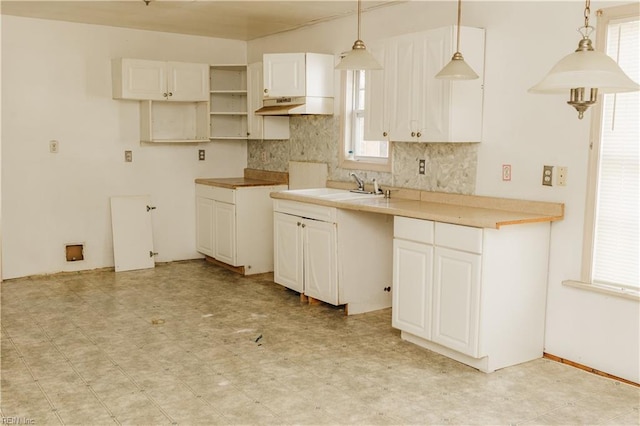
(589, 369)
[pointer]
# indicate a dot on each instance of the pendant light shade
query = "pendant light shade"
(457, 68)
(586, 68)
(359, 58)
(583, 72)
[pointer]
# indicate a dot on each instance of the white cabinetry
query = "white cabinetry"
(412, 276)
(456, 287)
(380, 98)
(298, 74)
(174, 98)
(288, 242)
(263, 127)
(417, 106)
(228, 101)
(204, 224)
(235, 226)
(475, 295)
(306, 256)
(336, 256)
(141, 79)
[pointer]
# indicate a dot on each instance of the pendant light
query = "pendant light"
(359, 58)
(457, 68)
(585, 71)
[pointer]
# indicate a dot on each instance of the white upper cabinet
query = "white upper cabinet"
(379, 97)
(284, 74)
(298, 74)
(276, 127)
(140, 79)
(187, 82)
(409, 104)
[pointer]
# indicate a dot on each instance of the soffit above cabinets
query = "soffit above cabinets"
(237, 20)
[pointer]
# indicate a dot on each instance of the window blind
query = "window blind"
(616, 255)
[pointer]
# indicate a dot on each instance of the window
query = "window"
(612, 227)
(357, 151)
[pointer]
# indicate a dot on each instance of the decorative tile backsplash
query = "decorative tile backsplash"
(449, 167)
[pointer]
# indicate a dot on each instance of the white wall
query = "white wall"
(56, 84)
(523, 41)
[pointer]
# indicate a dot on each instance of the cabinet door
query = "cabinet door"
(287, 250)
(224, 220)
(143, 80)
(320, 261)
(204, 225)
(255, 87)
(402, 54)
(456, 300)
(378, 97)
(187, 82)
(412, 287)
(262, 127)
(430, 105)
(284, 74)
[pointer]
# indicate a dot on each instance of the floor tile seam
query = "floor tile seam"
(54, 409)
(86, 383)
(199, 397)
(121, 370)
(140, 388)
(550, 412)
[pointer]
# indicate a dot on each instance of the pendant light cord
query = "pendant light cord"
(587, 12)
(359, 20)
(458, 32)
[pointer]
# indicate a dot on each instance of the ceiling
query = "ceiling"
(238, 20)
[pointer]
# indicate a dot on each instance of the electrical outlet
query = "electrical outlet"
(263, 156)
(201, 155)
(562, 176)
(128, 156)
(547, 175)
(506, 172)
(421, 167)
(54, 146)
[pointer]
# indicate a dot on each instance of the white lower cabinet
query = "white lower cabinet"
(456, 300)
(235, 226)
(475, 295)
(413, 281)
(224, 230)
(287, 251)
(321, 260)
(204, 225)
(336, 256)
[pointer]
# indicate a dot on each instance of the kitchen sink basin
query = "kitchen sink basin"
(333, 194)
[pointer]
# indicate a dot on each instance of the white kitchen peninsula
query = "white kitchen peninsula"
(469, 273)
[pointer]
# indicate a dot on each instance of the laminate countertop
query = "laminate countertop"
(251, 177)
(236, 182)
(469, 210)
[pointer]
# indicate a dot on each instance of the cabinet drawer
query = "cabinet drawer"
(217, 193)
(459, 237)
(311, 211)
(413, 229)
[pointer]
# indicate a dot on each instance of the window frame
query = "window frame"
(347, 132)
(605, 16)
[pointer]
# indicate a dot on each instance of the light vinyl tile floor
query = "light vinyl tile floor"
(191, 343)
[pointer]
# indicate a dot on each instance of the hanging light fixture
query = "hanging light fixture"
(457, 68)
(585, 71)
(359, 58)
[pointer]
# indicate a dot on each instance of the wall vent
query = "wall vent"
(74, 252)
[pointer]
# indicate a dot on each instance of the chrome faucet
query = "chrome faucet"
(360, 181)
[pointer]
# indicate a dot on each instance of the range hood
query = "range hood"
(296, 105)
